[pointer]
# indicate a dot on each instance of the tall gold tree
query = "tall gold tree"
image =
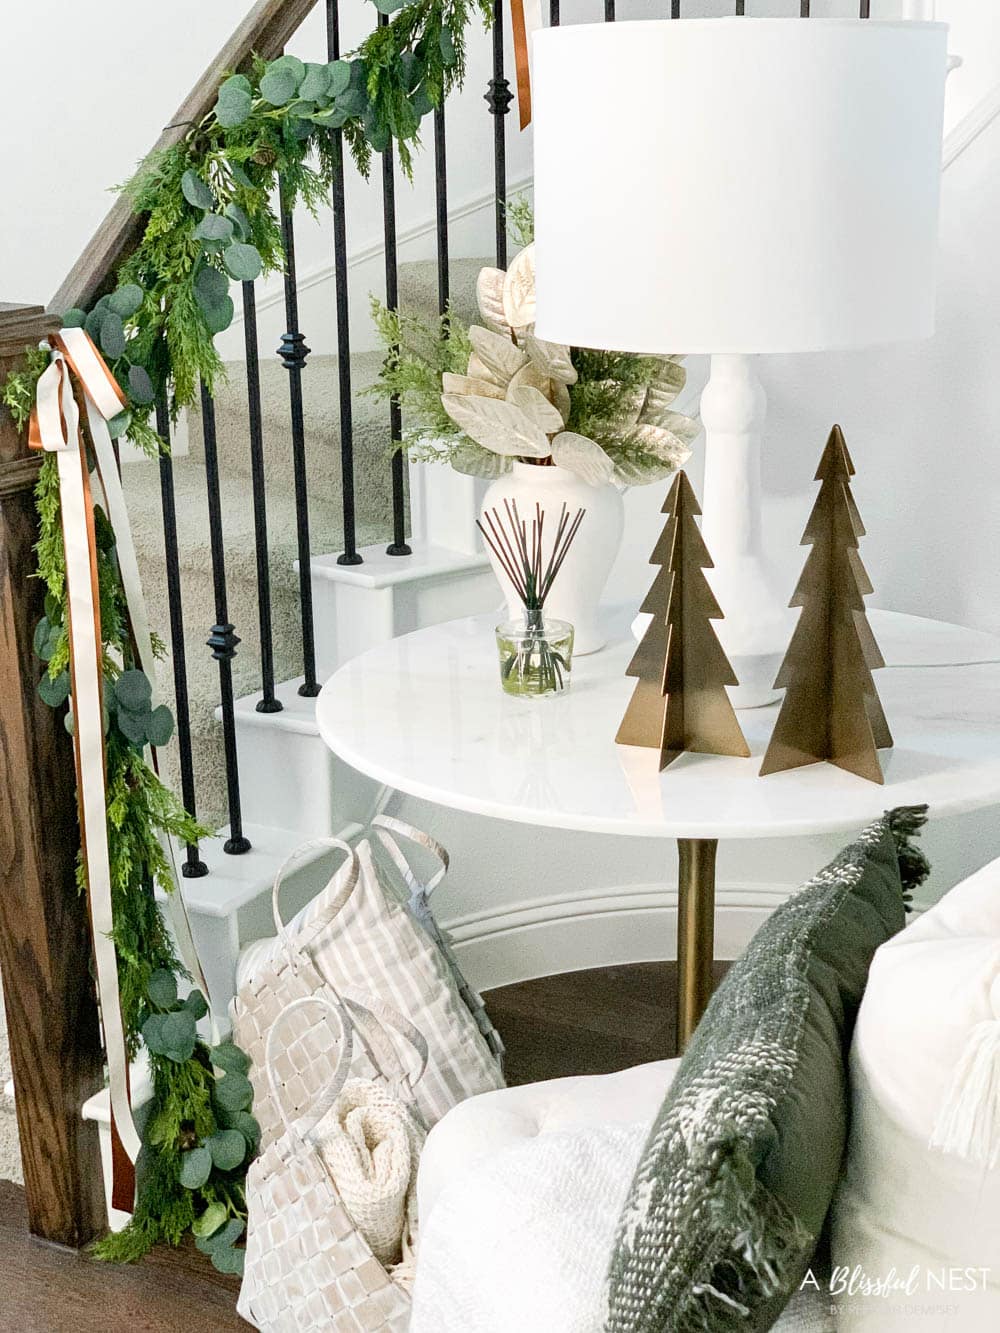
(680, 703)
(831, 708)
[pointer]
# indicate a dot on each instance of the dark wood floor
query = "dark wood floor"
(588, 1022)
(582, 1023)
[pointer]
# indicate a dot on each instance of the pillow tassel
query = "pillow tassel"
(905, 823)
(968, 1124)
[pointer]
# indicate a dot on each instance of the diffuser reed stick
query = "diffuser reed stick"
(522, 555)
(522, 559)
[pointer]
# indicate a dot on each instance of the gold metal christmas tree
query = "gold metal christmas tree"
(831, 708)
(680, 703)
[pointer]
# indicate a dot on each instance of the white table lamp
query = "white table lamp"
(736, 186)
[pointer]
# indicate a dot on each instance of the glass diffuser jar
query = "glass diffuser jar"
(535, 655)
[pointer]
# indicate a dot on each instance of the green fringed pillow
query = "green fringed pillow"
(736, 1178)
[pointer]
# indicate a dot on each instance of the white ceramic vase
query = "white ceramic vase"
(577, 589)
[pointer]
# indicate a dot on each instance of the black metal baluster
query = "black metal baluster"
(675, 9)
(498, 99)
(398, 545)
(441, 201)
(740, 8)
(194, 867)
(268, 704)
(866, 9)
(804, 9)
(350, 554)
(609, 11)
(223, 638)
(293, 352)
(554, 13)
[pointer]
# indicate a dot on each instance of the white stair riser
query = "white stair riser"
(287, 778)
(352, 619)
(444, 506)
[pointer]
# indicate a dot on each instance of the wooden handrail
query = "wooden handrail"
(44, 933)
(263, 32)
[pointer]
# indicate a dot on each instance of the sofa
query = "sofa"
(521, 1190)
(510, 1241)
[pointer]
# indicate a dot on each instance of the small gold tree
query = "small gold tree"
(680, 703)
(831, 708)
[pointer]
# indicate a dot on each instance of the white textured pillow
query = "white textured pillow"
(916, 1228)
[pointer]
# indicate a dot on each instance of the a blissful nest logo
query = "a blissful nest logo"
(895, 1286)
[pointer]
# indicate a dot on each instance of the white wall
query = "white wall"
(85, 90)
(85, 93)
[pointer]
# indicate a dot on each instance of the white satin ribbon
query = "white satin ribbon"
(59, 434)
(102, 404)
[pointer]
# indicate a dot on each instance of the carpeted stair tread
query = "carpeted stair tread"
(418, 285)
(321, 413)
(141, 483)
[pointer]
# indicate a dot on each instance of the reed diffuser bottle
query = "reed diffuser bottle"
(535, 653)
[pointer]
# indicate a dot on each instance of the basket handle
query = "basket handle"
(368, 1018)
(337, 1011)
(385, 828)
(348, 887)
(373, 1021)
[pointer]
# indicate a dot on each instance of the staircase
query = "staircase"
(371, 459)
(289, 782)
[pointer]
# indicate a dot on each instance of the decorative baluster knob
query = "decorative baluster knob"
(499, 96)
(223, 640)
(293, 351)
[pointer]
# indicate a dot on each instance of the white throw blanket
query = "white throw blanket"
(371, 1145)
(522, 1240)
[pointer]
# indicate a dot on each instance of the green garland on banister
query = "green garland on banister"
(208, 201)
(209, 221)
(198, 1133)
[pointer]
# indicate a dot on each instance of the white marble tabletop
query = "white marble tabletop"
(425, 715)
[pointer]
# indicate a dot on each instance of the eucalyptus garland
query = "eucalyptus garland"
(277, 132)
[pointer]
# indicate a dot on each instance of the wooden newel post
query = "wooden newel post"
(44, 934)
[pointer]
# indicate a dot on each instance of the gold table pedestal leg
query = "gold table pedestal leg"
(695, 932)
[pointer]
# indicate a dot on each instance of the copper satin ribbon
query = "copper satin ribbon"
(55, 428)
(525, 18)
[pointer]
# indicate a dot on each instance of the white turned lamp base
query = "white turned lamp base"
(752, 593)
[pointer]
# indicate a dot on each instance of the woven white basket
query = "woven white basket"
(308, 1267)
(356, 937)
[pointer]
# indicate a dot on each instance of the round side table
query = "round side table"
(424, 714)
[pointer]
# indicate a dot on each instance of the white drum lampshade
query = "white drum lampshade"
(733, 186)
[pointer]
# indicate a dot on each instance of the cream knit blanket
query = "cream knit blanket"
(371, 1145)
